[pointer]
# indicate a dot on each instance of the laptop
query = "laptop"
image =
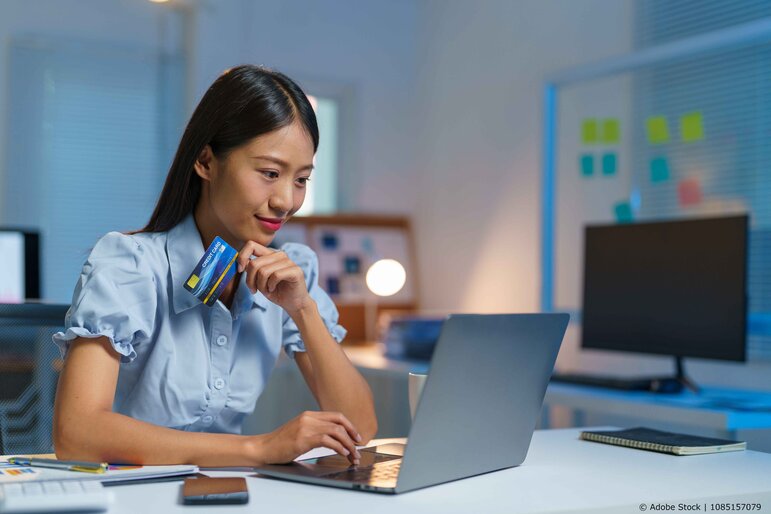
(477, 412)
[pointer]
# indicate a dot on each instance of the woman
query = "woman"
(152, 375)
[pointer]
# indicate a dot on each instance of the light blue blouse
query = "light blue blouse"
(183, 365)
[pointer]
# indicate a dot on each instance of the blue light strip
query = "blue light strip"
(547, 200)
(759, 324)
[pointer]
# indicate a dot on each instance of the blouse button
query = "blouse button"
(222, 340)
(219, 383)
(207, 419)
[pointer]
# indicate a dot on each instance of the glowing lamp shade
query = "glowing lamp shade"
(386, 277)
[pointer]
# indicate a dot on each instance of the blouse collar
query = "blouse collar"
(184, 248)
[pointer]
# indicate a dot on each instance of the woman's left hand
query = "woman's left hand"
(275, 275)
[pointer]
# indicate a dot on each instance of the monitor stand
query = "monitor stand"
(681, 377)
(674, 384)
(664, 385)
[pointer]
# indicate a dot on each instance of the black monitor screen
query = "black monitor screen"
(672, 288)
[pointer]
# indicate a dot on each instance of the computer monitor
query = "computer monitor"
(20, 271)
(667, 287)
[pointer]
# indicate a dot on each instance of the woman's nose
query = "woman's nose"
(281, 200)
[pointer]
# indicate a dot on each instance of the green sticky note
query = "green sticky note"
(691, 127)
(587, 165)
(659, 169)
(623, 212)
(611, 131)
(657, 130)
(589, 131)
(609, 164)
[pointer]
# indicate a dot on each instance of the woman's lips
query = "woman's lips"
(270, 223)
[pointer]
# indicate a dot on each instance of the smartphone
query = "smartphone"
(215, 491)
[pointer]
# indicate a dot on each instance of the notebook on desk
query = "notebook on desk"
(665, 442)
(115, 473)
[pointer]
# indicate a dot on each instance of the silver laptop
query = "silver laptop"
(479, 407)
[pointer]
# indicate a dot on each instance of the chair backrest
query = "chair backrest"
(29, 371)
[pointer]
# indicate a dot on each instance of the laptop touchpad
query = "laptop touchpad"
(336, 462)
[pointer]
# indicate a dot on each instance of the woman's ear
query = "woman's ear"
(203, 165)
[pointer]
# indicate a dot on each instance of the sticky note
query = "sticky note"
(691, 127)
(611, 131)
(587, 165)
(609, 164)
(659, 170)
(589, 131)
(623, 212)
(689, 192)
(352, 264)
(657, 129)
(333, 285)
(329, 241)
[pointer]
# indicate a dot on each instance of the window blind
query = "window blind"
(730, 164)
(89, 145)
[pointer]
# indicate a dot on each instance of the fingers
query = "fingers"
(337, 427)
(249, 249)
(333, 444)
(340, 419)
(274, 272)
(290, 274)
(341, 436)
(253, 267)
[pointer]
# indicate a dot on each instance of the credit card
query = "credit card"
(213, 272)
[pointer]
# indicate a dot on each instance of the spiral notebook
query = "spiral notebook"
(666, 442)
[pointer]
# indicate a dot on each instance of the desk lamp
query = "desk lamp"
(385, 277)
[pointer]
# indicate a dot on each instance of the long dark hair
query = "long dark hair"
(243, 103)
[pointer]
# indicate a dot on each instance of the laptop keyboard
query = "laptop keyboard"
(387, 471)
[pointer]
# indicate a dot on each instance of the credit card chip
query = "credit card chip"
(193, 280)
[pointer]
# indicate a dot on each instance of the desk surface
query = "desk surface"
(560, 474)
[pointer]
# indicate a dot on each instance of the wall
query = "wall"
(478, 163)
(362, 53)
(480, 76)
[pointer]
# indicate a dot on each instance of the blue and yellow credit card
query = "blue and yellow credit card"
(213, 272)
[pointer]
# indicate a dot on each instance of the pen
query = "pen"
(85, 467)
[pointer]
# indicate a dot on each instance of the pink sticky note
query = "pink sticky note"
(689, 192)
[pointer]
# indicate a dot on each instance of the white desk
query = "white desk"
(560, 474)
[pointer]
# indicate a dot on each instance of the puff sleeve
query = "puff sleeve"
(306, 258)
(115, 296)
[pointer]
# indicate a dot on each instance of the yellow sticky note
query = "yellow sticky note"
(611, 131)
(657, 130)
(691, 127)
(589, 131)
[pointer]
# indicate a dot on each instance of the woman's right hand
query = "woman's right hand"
(307, 431)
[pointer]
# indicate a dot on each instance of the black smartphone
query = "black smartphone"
(215, 491)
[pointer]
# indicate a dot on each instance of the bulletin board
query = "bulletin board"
(675, 132)
(346, 246)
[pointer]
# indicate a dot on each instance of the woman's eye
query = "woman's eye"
(304, 181)
(269, 174)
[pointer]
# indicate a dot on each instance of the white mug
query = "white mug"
(415, 385)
